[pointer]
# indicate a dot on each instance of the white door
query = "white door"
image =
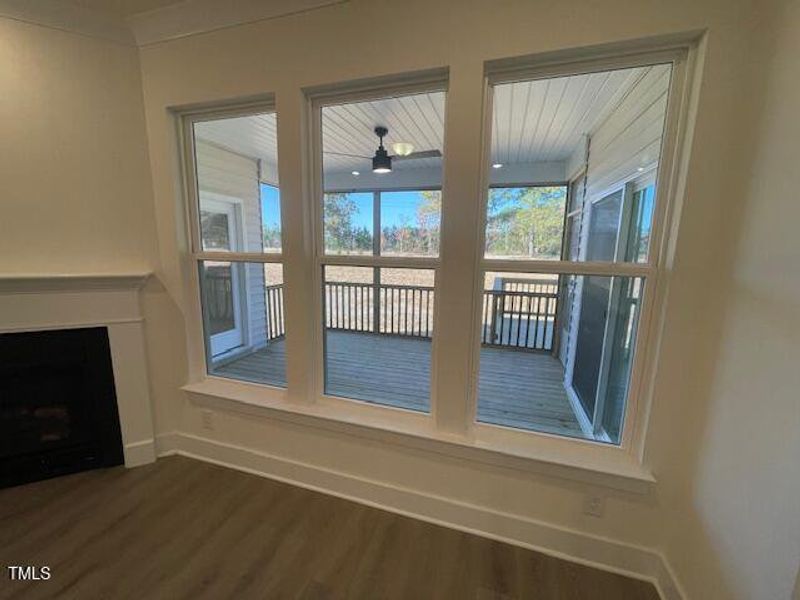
(222, 280)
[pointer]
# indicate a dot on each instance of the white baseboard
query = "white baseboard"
(139, 453)
(594, 551)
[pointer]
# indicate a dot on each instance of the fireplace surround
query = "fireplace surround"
(106, 307)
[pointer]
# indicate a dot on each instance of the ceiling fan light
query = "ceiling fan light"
(381, 162)
(402, 148)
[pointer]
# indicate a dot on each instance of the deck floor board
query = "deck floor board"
(516, 388)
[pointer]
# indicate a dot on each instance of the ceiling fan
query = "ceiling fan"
(382, 160)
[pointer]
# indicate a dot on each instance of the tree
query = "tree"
(526, 221)
(272, 236)
(340, 233)
(429, 217)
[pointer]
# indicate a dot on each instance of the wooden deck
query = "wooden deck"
(516, 388)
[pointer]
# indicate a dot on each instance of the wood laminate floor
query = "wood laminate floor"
(181, 528)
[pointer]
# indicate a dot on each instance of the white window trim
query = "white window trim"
(317, 100)
(619, 467)
(198, 352)
(654, 272)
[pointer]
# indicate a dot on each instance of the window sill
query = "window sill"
(549, 455)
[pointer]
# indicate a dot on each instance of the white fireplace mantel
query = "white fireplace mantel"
(36, 302)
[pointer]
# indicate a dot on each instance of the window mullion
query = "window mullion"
(461, 198)
(240, 257)
(367, 260)
(570, 267)
(298, 259)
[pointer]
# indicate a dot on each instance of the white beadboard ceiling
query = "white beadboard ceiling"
(533, 122)
(254, 136)
(348, 129)
(545, 120)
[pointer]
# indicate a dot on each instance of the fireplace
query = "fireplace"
(58, 407)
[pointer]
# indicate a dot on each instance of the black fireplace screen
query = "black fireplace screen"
(58, 408)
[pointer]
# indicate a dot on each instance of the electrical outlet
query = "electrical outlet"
(207, 417)
(594, 505)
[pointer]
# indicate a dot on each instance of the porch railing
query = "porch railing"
(520, 319)
(521, 314)
(395, 309)
(275, 321)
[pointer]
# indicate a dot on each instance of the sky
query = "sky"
(394, 208)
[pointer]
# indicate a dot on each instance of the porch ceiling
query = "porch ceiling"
(540, 121)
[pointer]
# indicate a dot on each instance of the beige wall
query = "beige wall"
(724, 420)
(735, 519)
(76, 191)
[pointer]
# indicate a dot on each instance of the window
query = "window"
(237, 245)
(567, 267)
(379, 246)
(511, 318)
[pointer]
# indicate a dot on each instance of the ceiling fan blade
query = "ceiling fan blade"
(346, 154)
(417, 155)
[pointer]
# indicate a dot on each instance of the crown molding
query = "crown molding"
(192, 17)
(64, 16)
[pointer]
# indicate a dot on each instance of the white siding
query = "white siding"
(631, 135)
(223, 172)
(629, 138)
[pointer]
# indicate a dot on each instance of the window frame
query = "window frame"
(619, 467)
(653, 272)
(342, 94)
(195, 255)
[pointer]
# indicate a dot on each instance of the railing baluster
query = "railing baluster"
(405, 312)
(278, 314)
(427, 311)
(272, 312)
(502, 306)
(283, 318)
(528, 322)
(418, 312)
